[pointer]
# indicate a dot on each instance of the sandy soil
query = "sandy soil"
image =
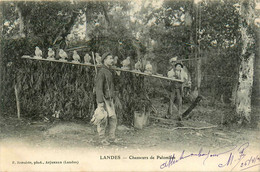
(159, 135)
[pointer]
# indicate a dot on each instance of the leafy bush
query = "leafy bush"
(46, 87)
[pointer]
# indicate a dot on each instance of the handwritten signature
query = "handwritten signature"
(237, 158)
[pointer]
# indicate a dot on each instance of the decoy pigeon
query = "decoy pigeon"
(115, 61)
(174, 59)
(98, 59)
(87, 59)
(171, 74)
(138, 66)
(76, 57)
(51, 54)
(126, 63)
(38, 53)
(148, 68)
(63, 55)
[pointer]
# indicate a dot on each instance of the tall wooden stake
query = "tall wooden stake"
(17, 101)
(198, 51)
(94, 62)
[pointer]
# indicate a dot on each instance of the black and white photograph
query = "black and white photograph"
(130, 85)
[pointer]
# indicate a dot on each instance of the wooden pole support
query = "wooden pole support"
(17, 101)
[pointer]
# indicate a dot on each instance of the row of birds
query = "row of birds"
(76, 59)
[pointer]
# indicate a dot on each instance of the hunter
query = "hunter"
(176, 88)
(105, 101)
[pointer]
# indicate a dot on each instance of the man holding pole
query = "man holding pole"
(105, 116)
(176, 88)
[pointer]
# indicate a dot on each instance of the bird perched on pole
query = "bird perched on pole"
(126, 63)
(115, 61)
(138, 66)
(76, 57)
(38, 53)
(174, 59)
(98, 59)
(87, 58)
(171, 74)
(148, 68)
(63, 55)
(51, 54)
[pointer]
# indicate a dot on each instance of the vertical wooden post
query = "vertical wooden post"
(21, 21)
(17, 101)
(199, 53)
(2, 71)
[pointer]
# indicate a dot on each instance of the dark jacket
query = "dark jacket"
(176, 85)
(104, 84)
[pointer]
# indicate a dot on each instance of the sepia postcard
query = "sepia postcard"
(141, 85)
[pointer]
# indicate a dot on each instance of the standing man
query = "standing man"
(176, 88)
(105, 100)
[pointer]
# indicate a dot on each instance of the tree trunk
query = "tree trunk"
(21, 21)
(105, 14)
(256, 85)
(197, 11)
(199, 53)
(1, 58)
(246, 70)
(65, 31)
(234, 93)
(190, 24)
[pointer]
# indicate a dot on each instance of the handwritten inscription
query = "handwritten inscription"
(237, 158)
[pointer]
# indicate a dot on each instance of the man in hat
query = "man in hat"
(105, 98)
(176, 88)
(173, 60)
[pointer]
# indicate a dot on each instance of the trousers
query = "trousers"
(108, 126)
(175, 94)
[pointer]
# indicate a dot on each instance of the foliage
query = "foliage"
(66, 90)
(140, 29)
(220, 46)
(47, 87)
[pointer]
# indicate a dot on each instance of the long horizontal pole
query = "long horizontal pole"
(118, 69)
(187, 59)
(76, 48)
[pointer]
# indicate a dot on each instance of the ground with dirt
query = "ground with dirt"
(160, 133)
(75, 141)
